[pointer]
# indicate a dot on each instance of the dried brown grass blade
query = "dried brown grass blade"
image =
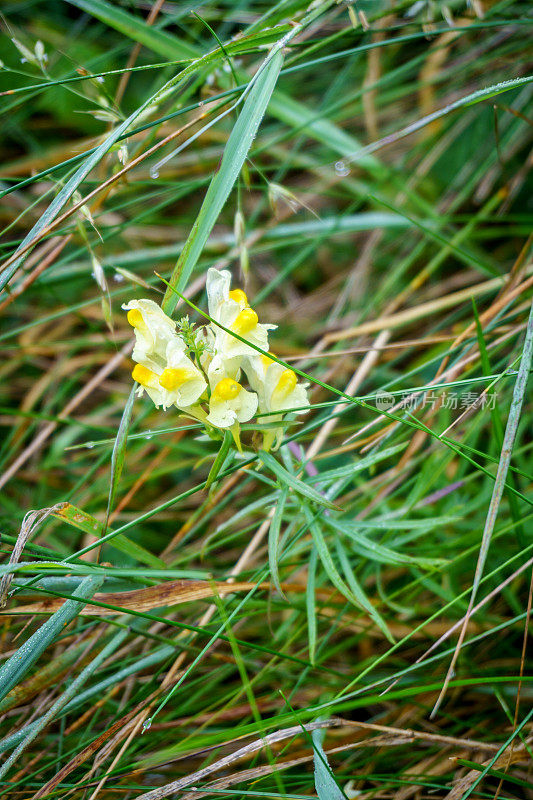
(169, 593)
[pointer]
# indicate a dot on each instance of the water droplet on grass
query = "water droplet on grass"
(341, 169)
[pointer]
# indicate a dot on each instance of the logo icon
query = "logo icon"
(384, 401)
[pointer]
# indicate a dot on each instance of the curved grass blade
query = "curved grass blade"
(118, 455)
(325, 784)
(497, 492)
(159, 41)
(67, 695)
(358, 592)
(376, 551)
(310, 604)
(21, 661)
(273, 538)
(220, 457)
(326, 558)
(286, 479)
(235, 152)
(14, 262)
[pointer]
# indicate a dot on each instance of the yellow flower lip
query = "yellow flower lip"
(266, 361)
(171, 379)
(246, 321)
(239, 296)
(136, 319)
(142, 375)
(227, 389)
(286, 383)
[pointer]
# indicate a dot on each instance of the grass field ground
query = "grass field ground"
(345, 616)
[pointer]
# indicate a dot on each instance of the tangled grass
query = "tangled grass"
(346, 616)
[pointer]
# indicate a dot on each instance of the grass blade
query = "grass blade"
(497, 492)
(286, 479)
(21, 661)
(118, 455)
(235, 152)
(71, 690)
(325, 784)
(273, 538)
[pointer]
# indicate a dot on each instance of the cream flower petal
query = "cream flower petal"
(220, 367)
(217, 288)
(282, 390)
(178, 382)
(148, 381)
(183, 380)
(230, 403)
(245, 324)
(153, 332)
(255, 367)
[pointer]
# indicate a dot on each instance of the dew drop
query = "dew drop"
(118, 278)
(147, 724)
(148, 434)
(89, 445)
(341, 169)
(154, 173)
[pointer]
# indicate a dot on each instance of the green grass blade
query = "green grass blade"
(172, 47)
(119, 454)
(286, 479)
(273, 538)
(71, 690)
(235, 152)
(20, 662)
(325, 784)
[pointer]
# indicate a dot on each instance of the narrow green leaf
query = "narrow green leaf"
(219, 459)
(325, 784)
(294, 483)
(118, 455)
(70, 692)
(378, 552)
(273, 538)
(511, 429)
(20, 662)
(92, 160)
(235, 152)
(357, 466)
(358, 592)
(498, 429)
(326, 557)
(88, 524)
(172, 47)
(310, 604)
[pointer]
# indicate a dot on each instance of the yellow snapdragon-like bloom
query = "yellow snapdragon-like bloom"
(231, 309)
(230, 403)
(211, 389)
(154, 330)
(163, 368)
(278, 392)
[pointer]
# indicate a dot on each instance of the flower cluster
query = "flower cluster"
(201, 371)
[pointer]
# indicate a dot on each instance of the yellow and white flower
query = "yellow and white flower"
(230, 403)
(211, 389)
(163, 368)
(231, 309)
(154, 330)
(278, 392)
(179, 383)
